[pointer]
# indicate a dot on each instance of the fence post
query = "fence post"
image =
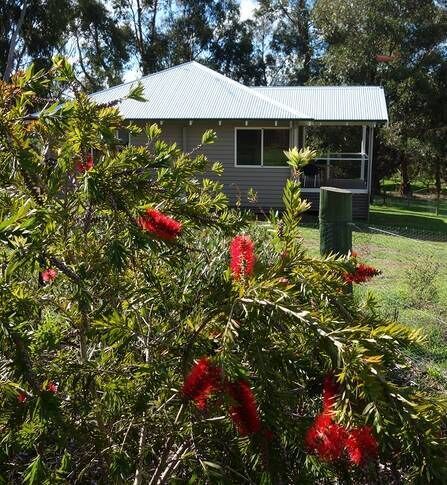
(335, 221)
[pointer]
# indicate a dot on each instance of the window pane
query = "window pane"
(248, 147)
(275, 142)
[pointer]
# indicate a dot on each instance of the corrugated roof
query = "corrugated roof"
(333, 103)
(192, 91)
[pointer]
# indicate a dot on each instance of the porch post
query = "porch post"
(295, 135)
(363, 152)
(184, 139)
(370, 159)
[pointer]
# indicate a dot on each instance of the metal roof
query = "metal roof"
(333, 103)
(192, 91)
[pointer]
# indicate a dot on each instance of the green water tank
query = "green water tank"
(335, 221)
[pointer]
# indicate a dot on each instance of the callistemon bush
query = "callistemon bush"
(101, 373)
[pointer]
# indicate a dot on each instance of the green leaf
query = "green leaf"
(153, 131)
(65, 466)
(36, 472)
(217, 168)
(299, 158)
(64, 68)
(209, 137)
(136, 92)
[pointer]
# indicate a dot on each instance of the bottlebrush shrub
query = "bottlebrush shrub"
(129, 313)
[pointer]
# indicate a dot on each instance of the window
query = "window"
(249, 147)
(275, 142)
(262, 146)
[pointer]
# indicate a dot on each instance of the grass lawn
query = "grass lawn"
(413, 287)
(416, 214)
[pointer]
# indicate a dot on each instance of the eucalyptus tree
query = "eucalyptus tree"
(31, 30)
(290, 39)
(401, 45)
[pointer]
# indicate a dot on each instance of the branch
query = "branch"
(60, 265)
(13, 43)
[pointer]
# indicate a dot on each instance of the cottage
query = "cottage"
(255, 125)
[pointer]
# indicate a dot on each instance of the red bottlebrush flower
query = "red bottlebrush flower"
(326, 438)
(362, 273)
(243, 411)
(160, 224)
(203, 379)
(89, 162)
(361, 445)
(48, 275)
(242, 258)
(51, 387)
(22, 397)
(82, 167)
(330, 391)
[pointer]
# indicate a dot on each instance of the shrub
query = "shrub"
(421, 278)
(142, 357)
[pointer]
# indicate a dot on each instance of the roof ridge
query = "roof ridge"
(249, 90)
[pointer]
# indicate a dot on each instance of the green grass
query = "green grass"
(418, 214)
(417, 186)
(401, 261)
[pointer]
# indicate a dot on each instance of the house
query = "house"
(255, 125)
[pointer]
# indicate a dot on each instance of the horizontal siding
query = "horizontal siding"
(268, 183)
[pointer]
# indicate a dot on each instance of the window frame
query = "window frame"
(261, 128)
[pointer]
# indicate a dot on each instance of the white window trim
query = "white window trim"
(262, 128)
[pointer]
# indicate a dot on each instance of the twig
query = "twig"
(64, 268)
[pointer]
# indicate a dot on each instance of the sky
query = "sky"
(247, 7)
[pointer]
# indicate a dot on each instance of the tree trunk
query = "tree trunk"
(438, 184)
(303, 31)
(13, 43)
(405, 185)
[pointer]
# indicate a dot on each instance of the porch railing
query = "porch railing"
(345, 170)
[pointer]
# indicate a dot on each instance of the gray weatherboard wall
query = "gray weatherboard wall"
(268, 183)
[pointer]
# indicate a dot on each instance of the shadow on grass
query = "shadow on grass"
(415, 220)
(423, 206)
(415, 226)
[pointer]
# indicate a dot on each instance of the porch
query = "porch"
(338, 164)
(342, 170)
